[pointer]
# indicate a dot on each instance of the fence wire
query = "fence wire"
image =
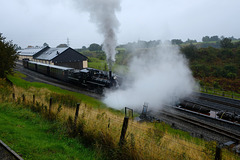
(141, 133)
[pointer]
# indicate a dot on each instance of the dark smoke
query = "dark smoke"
(103, 14)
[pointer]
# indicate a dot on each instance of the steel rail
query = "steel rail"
(235, 137)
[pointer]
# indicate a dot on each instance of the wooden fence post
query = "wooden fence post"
(129, 109)
(13, 96)
(124, 130)
(218, 155)
(76, 116)
(33, 99)
(109, 123)
(23, 98)
(50, 105)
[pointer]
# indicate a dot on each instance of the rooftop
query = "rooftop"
(51, 53)
(30, 51)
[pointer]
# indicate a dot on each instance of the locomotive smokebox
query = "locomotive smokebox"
(110, 74)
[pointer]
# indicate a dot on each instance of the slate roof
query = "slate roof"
(61, 55)
(51, 53)
(30, 51)
(69, 55)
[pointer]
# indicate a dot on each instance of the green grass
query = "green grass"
(218, 92)
(102, 65)
(97, 63)
(18, 81)
(178, 133)
(32, 137)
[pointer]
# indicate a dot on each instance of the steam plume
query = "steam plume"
(102, 12)
(157, 77)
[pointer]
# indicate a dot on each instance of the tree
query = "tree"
(206, 39)
(214, 38)
(84, 48)
(45, 44)
(236, 44)
(233, 38)
(226, 43)
(231, 68)
(8, 56)
(62, 46)
(190, 51)
(191, 41)
(176, 41)
(142, 44)
(94, 47)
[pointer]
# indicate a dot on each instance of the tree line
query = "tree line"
(216, 67)
(211, 65)
(207, 41)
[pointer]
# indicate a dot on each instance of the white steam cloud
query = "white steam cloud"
(156, 77)
(103, 14)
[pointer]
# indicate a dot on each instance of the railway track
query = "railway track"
(221, 100)
(37, 77)
(215, 103)
(7, 153)
(201, 124)
(217, 130)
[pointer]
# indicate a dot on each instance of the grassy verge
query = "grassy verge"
(97, 64)
(32, 137)
(100, 127)
(102, 65)
(218, 92)
(42, 88)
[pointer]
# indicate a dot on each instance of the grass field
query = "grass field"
(98, 126)
(19, 82)
(33, 137)
(218, 92)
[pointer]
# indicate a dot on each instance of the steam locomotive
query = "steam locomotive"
(93, 79)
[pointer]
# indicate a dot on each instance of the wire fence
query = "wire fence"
(224, 93)
(148, 141)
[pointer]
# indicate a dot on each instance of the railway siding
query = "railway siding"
(213, 105)
(221, 100)
(6, 153)
(227, 125)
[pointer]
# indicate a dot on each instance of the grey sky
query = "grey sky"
(33, 22)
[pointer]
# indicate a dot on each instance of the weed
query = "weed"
(35, 138)
(101, 127)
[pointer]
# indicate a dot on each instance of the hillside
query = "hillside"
(96, 126)
(218, 68)
(215, 64)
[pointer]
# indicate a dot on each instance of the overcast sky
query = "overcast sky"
(33, 22)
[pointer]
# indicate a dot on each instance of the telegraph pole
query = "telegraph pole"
(68, 42)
